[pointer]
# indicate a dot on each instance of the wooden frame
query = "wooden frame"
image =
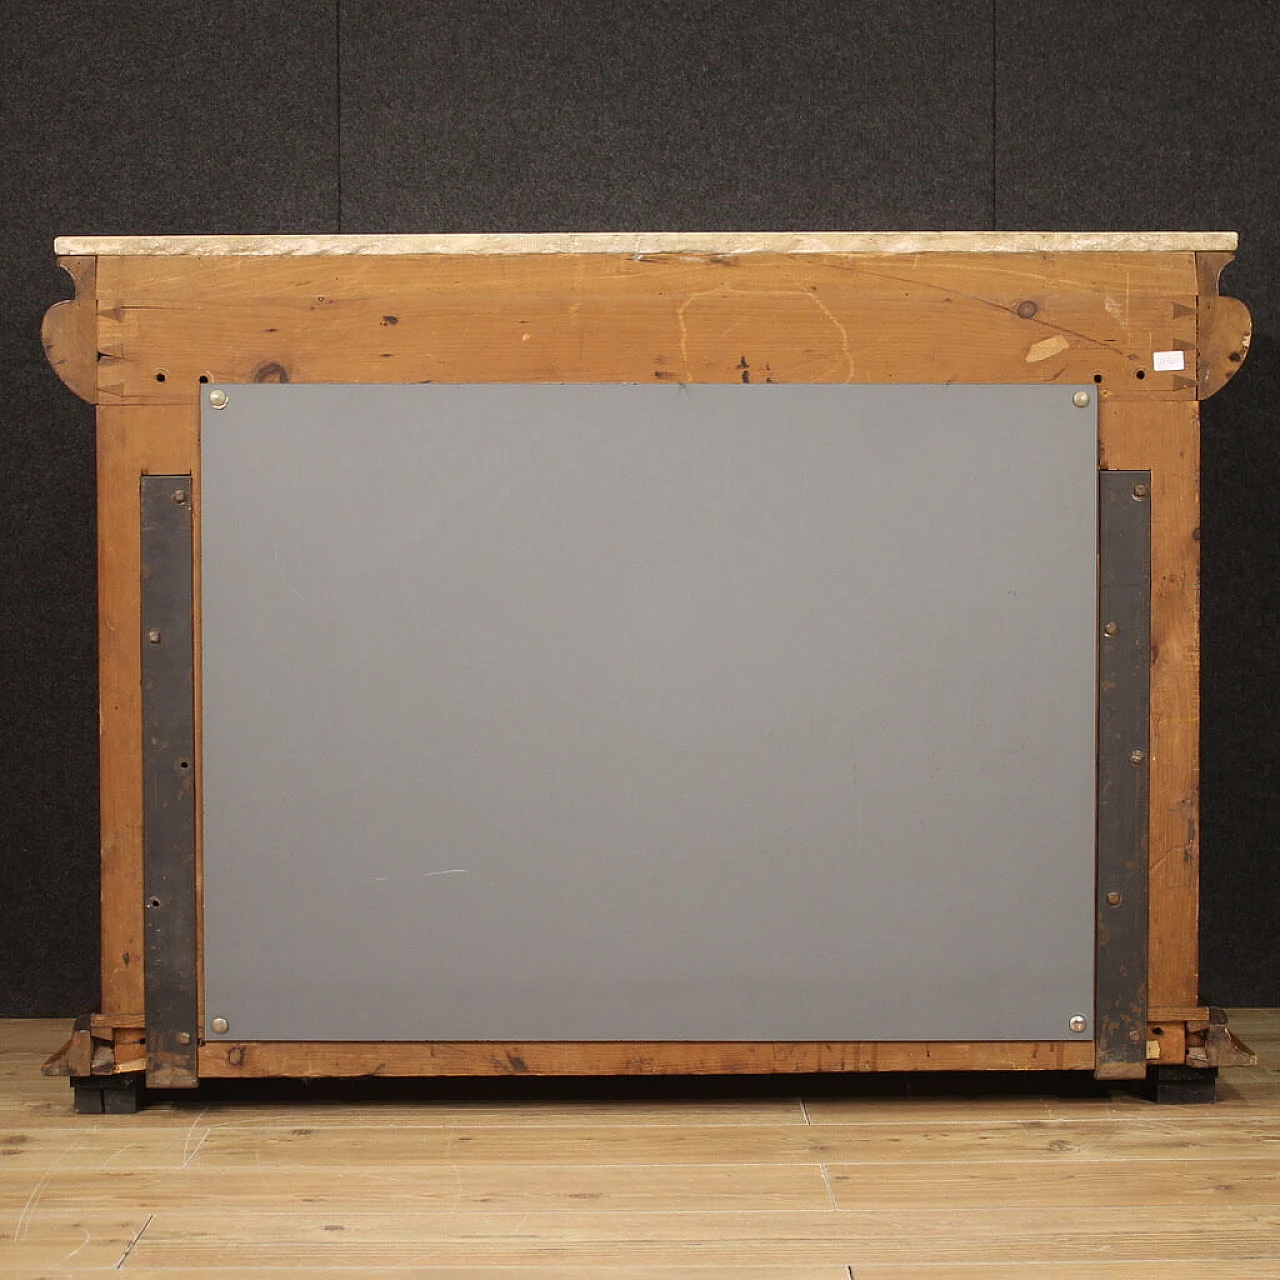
(154, 318)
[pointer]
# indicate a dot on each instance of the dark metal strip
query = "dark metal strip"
(1124, 697)
(168, 772)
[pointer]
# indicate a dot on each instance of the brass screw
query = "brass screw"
(1081, 399)
(1134, 1036)
(1114, 899)
(219, 1025)
(1139, 492)
(179, 496)
(1078, 1022)
(218, 399)
(184, 1037)
(1137, 757)
(153, 636)
(1110, 629)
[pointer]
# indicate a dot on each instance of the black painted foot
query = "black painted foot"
(1186, 1084)
(108, 1095)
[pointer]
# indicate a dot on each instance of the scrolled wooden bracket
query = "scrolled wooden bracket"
(70, 330)
(1224, 327)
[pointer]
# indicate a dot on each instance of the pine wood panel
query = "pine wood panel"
(165, 322)
(302, 1060)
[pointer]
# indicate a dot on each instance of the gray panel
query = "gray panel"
(1124, 680)
(168, 782)
(629, 712)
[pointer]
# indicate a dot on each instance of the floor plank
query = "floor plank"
(1158, 1135)
(884, 1179)
(853, 1239)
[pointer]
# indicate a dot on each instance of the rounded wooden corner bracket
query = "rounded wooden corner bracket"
(1224, 327)
(69, 330)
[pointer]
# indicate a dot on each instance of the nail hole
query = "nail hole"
(1142, 373)
(161, 375)
(1097, 377)
(1157, 1031)
(204, 377)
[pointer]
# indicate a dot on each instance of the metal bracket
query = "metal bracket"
(1124, 699)
(169, 769)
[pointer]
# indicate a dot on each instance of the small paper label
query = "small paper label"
(1168, 361)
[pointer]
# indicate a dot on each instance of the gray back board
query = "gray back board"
(594, 712)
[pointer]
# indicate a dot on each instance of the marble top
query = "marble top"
(654, 242)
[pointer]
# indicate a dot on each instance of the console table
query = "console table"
(647, 653)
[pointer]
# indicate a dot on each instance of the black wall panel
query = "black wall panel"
(1155, 116)
(512, 116)
(862, 114)
(114, 118)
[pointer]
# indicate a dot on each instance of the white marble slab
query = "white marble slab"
(655, 242)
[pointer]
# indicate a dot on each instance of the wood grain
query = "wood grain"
(304, 1060)
(854, 1238)
(1224, 326)
(70, 330)
(1241, 1140)
(165, 322)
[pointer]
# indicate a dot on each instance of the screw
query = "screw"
(1110, 629)
(1114, 899)
(1137, 757)
(1081, 399)
(1078, 1022)
(184, 1037)
(1027, 309)
(1134, 1036)
(218, 399)
(179, 496)
(153, 636)
(219, 1025)
(1139, 492)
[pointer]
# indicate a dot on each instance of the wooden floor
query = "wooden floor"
(879, 1179)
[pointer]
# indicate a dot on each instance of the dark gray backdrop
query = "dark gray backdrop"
(350, 115)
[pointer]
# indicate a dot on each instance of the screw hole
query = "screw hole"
(1097, 377)
(1157, 1031)
(161, 375)
(1142, 373)
(204, 377)
(153, 902)
(184, 764)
